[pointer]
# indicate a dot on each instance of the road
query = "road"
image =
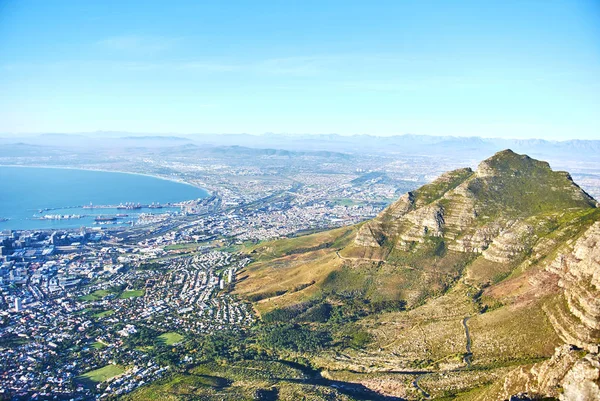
(469, 354)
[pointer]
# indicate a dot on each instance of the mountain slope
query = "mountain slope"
(501, 263)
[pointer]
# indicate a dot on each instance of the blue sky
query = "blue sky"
(490, 68)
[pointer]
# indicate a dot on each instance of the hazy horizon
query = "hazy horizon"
(116, 133)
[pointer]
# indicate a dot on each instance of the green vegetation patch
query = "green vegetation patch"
(103, 374)
(104, 313)
(181, 387)
(332, 239)
(12, 340)
(345, 202)
(522, 186)
(131, 294)
(175, 247)
(170, 338)
(96, 295)
(294, 338)
(447, 182)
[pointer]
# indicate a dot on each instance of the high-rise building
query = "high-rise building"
(18, 305)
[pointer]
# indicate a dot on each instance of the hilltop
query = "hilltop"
(477, 286)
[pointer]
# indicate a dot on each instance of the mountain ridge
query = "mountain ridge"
(511, 247)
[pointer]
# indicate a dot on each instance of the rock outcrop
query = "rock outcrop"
(573, 373)
(368, 236)
(510, 243)
(582, 382)
(568, 376)
(577, 320)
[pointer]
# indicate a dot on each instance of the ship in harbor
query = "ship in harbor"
(129, 206)
(105, 219)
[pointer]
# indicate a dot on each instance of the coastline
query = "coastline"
(208, 192)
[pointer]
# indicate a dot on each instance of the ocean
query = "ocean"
(27, 193)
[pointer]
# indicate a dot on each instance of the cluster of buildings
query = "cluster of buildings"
(72, 303)
(134, 378)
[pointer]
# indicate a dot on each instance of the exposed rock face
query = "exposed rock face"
(428, 220)
(367, 236)
(567, 376)
(478, 240)
(403, 205)
(544, 378)
(578, 322)
(415, 215)
(510, 243)
(582, 383)
(573, 373)
(460, 210)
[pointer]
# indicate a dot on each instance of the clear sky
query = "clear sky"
(490, 68)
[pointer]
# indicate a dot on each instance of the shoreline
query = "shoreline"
(208, 193)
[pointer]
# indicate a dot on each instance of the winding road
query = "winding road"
(415, 384)
(469, 354)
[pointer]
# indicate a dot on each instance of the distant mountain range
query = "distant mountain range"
(473, 147)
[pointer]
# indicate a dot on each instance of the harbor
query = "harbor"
(91, 199)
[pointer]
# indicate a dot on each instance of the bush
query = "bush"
(283, 314)
(295, 337)
(265, 295)
(318, 313)
(360, 339)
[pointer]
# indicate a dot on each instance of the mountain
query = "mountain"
(446, 146)
(480, 285)
(466, 148)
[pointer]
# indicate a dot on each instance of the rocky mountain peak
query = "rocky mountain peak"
(509, 162)
(474, 211)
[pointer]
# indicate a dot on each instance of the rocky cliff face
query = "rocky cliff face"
(577, 319)
(568, 376)
(582, 382)
(573, 373)
(510, 241)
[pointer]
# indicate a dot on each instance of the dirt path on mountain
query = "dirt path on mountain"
(469, 355)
